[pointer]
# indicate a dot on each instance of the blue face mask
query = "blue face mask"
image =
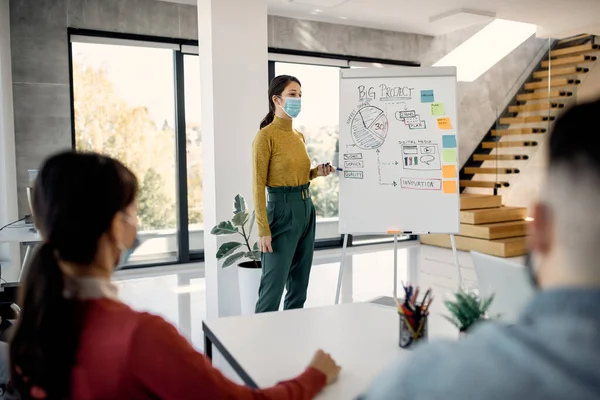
(127, 253)
(292, 106)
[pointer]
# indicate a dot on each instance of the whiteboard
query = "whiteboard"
(399, 151)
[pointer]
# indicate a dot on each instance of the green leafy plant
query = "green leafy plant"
(467, 309)
(241, 224)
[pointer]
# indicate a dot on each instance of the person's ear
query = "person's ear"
(541, 229)
(117, 230)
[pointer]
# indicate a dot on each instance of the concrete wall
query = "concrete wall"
(589, 90)
(40, 63)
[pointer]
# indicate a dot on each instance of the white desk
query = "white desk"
(23, 235)
(268, 348)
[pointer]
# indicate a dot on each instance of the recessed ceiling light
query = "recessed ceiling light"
(343, 17)
(318, 10)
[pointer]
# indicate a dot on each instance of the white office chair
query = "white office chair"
(507, 281)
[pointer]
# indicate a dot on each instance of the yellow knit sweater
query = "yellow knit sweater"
(279, 158)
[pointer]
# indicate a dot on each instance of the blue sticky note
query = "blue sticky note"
(449, 141)
(427, 96)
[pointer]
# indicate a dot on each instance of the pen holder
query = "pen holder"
(409, 336)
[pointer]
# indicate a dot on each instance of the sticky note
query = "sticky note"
(437, 109)
(427, 96)
(449, 141)
(449, 187)
(444, 123)
(449, 171)
(449, 155)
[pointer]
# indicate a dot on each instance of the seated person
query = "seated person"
(75, 339)
(553, 351)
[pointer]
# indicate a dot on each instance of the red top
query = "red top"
(124, 354)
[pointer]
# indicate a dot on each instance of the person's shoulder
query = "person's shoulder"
(264, 134)
(300, 134)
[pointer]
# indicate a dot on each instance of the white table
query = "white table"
(267, 348)
(23, 235)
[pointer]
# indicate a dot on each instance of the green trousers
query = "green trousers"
(292, 221)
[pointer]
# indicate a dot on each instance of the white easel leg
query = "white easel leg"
(455, 253)
(396, 266)
(341, 272)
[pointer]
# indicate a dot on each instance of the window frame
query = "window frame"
(180, 48)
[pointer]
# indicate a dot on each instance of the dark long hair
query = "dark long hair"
(277, 86)
(75, 199)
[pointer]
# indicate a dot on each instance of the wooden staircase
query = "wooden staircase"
(487, 227)
(514, 137)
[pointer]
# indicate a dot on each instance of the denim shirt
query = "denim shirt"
(551, 353)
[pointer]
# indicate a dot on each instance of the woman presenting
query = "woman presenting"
(285, 214)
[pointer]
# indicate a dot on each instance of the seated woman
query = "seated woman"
(75, 339)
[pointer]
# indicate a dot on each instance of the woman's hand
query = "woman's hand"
(325, 169)
(323, 362)
(264, 244)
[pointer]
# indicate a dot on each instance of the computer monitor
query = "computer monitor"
(509, 282)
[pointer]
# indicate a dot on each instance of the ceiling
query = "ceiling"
(555, 18)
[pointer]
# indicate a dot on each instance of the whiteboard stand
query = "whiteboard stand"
(455, 253)
(341, 271)
(343, 262)
(395, 266)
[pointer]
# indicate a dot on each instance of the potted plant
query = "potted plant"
(232, 252)
(467, 309)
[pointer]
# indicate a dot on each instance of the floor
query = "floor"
(178, 293)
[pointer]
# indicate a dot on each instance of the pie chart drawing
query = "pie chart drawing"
(369, 128)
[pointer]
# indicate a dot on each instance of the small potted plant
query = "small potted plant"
(467, 309)
(232, 252)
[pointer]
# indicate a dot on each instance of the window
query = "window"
(139, 102)
(125, 109)
(319, 122)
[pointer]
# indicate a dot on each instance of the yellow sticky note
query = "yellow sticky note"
(449, 171)
(449, 187)
(444, 123)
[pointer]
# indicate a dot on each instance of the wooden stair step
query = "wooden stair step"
(553, 83)
(526, 120)
(574, 38)
(572, 60)
(478, 170)
(509, 247)
(509, 143)
(483, 184)
(500, 157)
(493, 215)
(544, 95)
(575, 50)
(499, 230)
(471, 201)
(560, 72)
(535, 107)
(522, 131)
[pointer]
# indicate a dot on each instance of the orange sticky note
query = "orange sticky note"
(449, 187)
(448, 171)
(444, 123)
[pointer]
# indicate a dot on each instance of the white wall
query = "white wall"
(8, 181)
